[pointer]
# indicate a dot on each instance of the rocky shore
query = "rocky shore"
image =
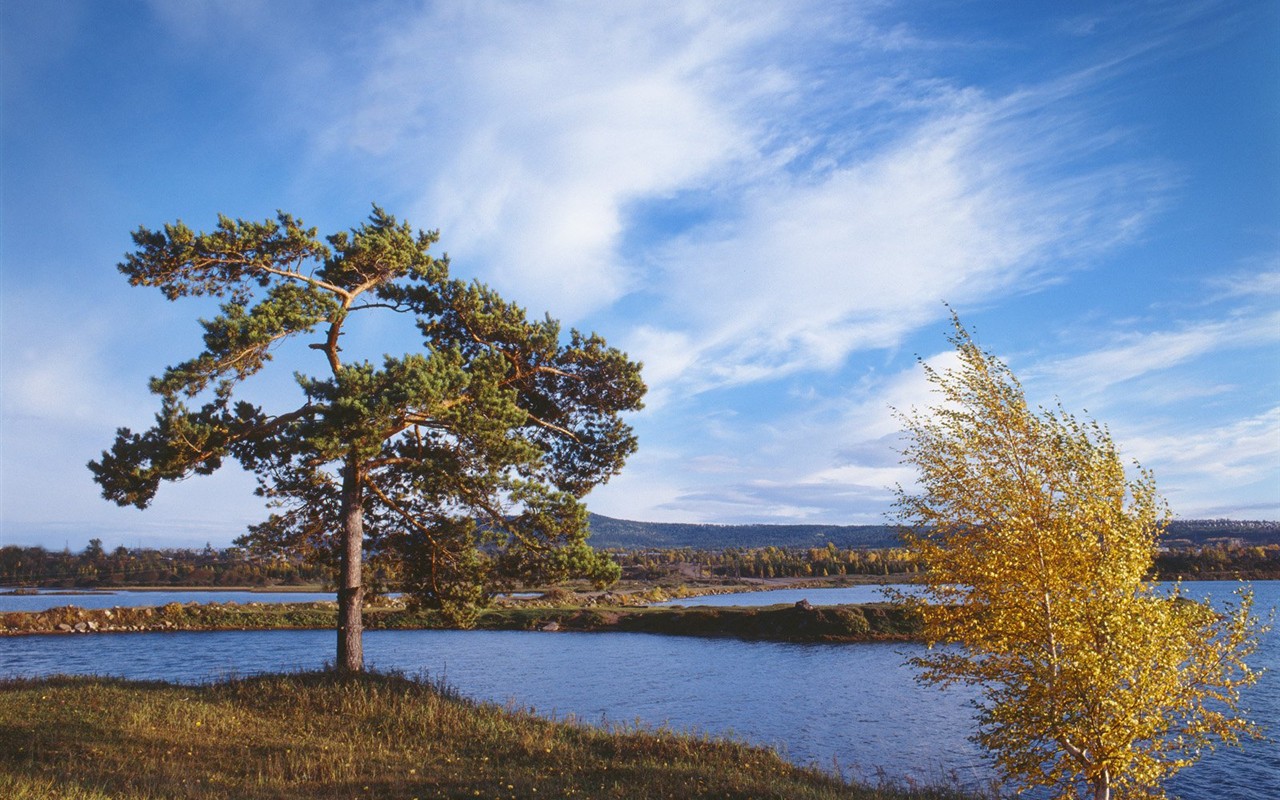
(800, 622)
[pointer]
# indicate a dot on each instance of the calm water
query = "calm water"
(855, 706)
(866, 593)
(124, 598)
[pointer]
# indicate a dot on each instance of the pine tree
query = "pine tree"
(464, 463)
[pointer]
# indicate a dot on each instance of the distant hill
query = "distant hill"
(621, 534)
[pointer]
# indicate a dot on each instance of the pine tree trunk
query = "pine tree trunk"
(350, 588)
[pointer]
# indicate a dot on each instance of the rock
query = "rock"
(81, 627)
(64, 627)
(803, 605)
(550, 627)
(93, 625)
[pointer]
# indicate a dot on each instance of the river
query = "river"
(861, 593)
(131, 598)
(855, 708)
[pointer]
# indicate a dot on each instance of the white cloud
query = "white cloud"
(1216, 471)
(963, 207)
(829, 456)
(666, 356)
(873, 415)
(70, 378)
(1240, 449)
(746, 197)
(847, 188)
(1253, 284)
(867, 477)
(649, 489)
(1138, 354)
(57, 364)
(525, 130)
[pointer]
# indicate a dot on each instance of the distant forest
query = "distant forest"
(95, 567)
(1211, 561)
(646, 551)
(607, 532)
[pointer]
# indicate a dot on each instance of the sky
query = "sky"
(770, 204)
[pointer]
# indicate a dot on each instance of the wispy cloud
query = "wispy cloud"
(1262, 284)
(69, 380)
(525, 130)
(58, 369)
(837, 196)
(1216, 471)
(829, 455)
(764, 202)
(1139, 353)
(860, 258)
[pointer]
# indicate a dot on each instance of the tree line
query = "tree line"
(96, 567)
(767, 562)
(609, 533)
(1218, 560)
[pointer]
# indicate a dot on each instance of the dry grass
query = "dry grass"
(318, 735)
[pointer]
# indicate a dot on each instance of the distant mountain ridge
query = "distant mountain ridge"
(621, 534)
(607, 532)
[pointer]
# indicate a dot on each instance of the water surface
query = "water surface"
(862, 593)
(133, 598)
(855, 708)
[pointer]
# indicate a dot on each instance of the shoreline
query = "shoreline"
(323, 735)
(625, 587)
(799, 622)
(101, 590)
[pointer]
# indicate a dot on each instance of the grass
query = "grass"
(850, 623)
(320, 735)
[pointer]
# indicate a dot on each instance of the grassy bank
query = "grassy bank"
(785, 623)
(852, 623)
(317, 735)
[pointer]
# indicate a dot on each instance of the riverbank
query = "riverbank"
(784, 623)
(317, 735)
(96, 590)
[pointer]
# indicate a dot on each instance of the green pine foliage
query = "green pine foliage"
(461, 463)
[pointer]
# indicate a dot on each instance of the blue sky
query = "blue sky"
(767, 203)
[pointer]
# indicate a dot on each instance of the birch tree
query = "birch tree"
(1092, 680)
